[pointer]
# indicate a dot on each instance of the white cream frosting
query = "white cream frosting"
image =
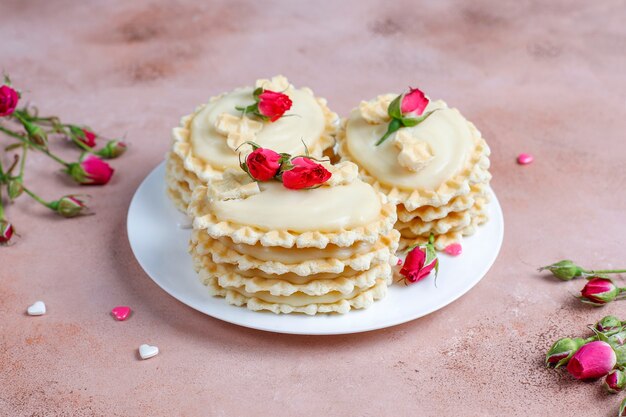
(304, 122)
(446, 132)
(324, 209)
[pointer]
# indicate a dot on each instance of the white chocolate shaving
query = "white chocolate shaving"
(414, 154)
(278, 84)
(375, 111)
(238, 130)
(234, 185)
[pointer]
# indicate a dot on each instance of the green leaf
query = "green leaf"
(394, 108)
(257, 92)
(414, 121)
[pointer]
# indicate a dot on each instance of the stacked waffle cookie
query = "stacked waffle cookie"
(207, 142)
(317, 250)
(436, 170)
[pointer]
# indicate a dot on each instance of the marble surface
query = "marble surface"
(544, 77)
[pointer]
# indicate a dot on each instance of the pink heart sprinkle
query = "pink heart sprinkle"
(524, 158)
(121, 313)
(454, 249)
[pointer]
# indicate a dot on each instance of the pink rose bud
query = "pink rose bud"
(599, 291)
(273, 105)
(608, 324)
(6, 232)
(615, 381)
(69, 206)
(112, 149)
(419, 262)
(414, 102)
(305, 173)
(263, 164)
(593, 360)
(8, 100)
(562, 350)
(91, 171)
(88, 138)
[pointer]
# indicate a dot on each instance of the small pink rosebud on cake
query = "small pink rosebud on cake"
(592, 361)
(599, 291)
(273, 105)
(305, 173)
(6, 232)
(615, 381)
(608, 324)
(419, 262)
(8, 100)
(90, 171)
(69, 206)
(564, 270)
(112, 149)
(263, 164)
(415, 101)
(562, 350)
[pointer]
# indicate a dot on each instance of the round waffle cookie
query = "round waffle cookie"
(322, 250)
(210, 140)
(437, 171)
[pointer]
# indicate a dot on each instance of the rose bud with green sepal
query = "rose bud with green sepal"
(8, 100)
(69, 206)
(262, 164)
(6, 232)
(562, 350)
(15, 187)
(112, 149)
(564, 270)
(36, 134)
(599, 291)
(608, 324)
(90, 171)
(419, 262)
(592, 361)
(615, 381)
(622, 409)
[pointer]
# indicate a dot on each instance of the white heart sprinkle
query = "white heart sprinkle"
(147, 351)
(37, 309)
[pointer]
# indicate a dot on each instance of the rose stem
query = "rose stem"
(27, 142)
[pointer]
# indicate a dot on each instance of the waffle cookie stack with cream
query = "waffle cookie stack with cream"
(323, 249)
(206, 142)
(433, 164)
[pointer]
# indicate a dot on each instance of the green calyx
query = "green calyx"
(564, 270)
(562, 350)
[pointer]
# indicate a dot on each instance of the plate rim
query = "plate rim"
(382, 325)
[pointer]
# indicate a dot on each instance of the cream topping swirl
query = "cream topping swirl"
(304, 122)
(446, 132)
(324, 209)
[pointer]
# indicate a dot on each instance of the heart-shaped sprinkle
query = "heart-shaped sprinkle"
(37, 309)
(121, 313)
(524, 158)
(147, 351)
(453, 249)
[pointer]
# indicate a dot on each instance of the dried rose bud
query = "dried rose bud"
(564, 270)
(8, 100)
(6, 232)
(615, 381)
(69, 206)
(112, 149)
(273, 105)
(593, 360)
(599, 291)
(414, 101)
(419, 262)
(91, 171)
(562, 350)
(608, 324)
(35, 133)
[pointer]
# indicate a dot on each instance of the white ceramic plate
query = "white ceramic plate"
(160, 245)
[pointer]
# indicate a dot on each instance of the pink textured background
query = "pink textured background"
(545, 77)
